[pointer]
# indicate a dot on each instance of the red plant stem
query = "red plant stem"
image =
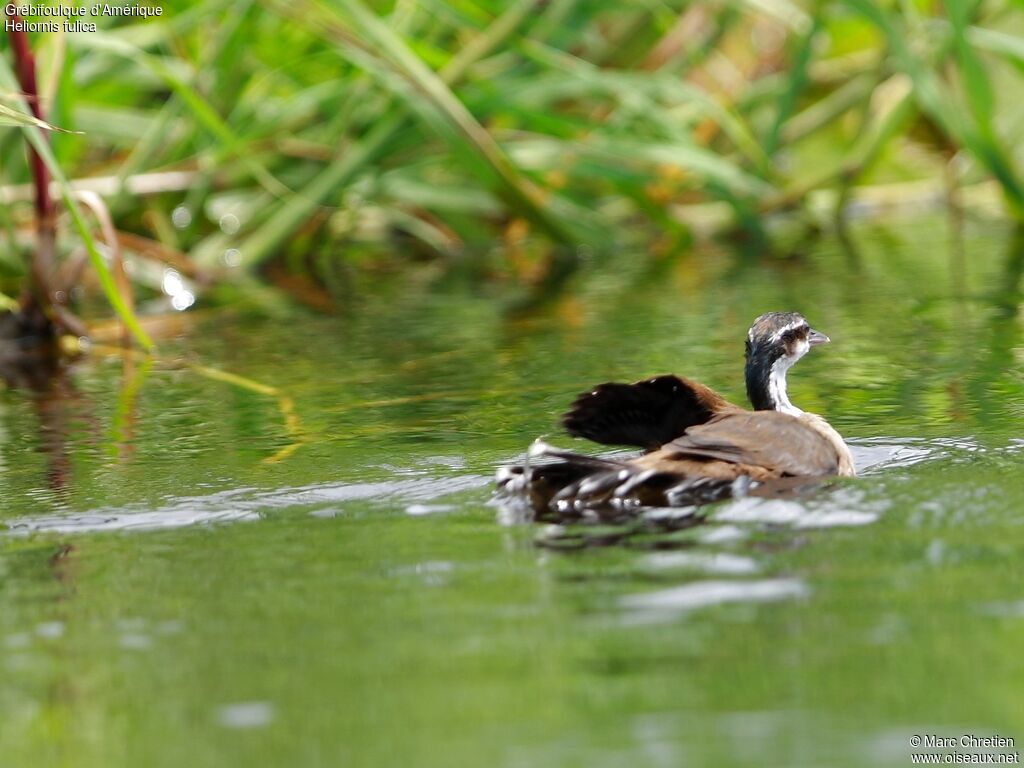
(46, 222)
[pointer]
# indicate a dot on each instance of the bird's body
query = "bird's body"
(700, 446)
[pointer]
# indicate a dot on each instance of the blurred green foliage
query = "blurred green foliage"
(306, 135)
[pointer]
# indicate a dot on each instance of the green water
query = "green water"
(189, 578)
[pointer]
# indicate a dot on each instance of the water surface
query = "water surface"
(198, 573)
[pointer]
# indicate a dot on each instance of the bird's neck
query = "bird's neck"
(766, 385)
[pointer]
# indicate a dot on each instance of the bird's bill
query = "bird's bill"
(814, 338)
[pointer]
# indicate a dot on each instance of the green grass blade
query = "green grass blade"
(205, 115)
(10, 116)
(297, 208)
(994, 41)
(797, 82)
(936, 100)
(362, 153)
(520, 191)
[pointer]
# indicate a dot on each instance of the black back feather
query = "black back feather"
(647, 413)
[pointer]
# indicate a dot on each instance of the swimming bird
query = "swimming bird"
(700, 447)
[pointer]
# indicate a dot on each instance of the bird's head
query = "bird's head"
(775, 341)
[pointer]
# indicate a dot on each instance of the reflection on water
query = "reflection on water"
(246, 714)
(139, 520)
(842, 508)
(668, 604)
(724, 563)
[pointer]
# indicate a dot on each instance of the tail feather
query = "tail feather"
(548, 471)
(555, 480)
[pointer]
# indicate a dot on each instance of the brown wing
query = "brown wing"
(777, 442)
(647, 413)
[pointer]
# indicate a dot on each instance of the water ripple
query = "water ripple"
(872, 455)
(246, 504)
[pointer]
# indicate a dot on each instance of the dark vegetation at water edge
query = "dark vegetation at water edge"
(308, 143)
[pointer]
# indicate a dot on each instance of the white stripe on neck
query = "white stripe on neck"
(777, 386)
